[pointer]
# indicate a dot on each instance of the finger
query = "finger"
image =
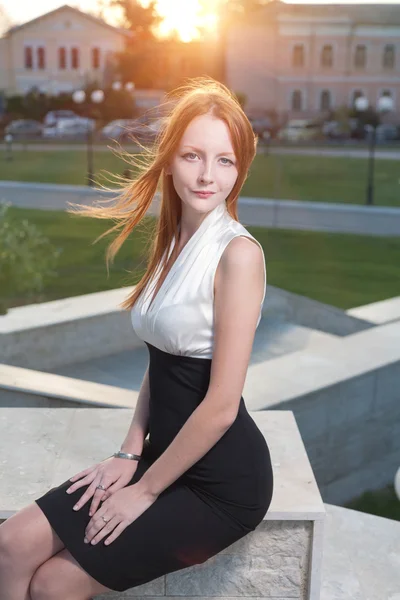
(95, 525)
(97, 498)
(87, 495)
(82, 473)
(105, 530)
(119, 529)
(113, 488)
(85, 481)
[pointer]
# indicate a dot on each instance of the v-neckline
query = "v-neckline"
(181, 256)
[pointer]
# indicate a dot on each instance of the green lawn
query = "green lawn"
(339, 269)
(315, 178)
(383, 503)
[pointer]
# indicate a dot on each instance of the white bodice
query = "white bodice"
(180, 318)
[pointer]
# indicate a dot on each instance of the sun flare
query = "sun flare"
(186, 17)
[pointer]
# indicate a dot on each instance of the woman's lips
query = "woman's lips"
(204, 194)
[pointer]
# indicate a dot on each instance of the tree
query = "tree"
(142, 20)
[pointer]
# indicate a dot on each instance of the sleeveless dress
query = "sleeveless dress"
(226, 493)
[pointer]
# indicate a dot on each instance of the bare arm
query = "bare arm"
(138, 429)
(237, 306)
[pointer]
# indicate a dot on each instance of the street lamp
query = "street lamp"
(96, 96)
(117, 86)
(384, 105)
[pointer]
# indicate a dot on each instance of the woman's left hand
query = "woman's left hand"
(120, 510)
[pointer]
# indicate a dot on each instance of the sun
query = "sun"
(185, 17)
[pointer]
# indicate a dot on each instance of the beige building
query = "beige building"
(59, 51)
(301, 60)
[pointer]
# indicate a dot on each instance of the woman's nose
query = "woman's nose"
(207, 175)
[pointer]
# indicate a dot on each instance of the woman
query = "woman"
(203, 479)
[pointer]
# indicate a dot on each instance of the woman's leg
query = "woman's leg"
(27, 540)
(61, 577)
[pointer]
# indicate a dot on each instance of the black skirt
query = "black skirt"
(217, 501)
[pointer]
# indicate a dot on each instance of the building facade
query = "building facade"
(59, 51)
(303, 60)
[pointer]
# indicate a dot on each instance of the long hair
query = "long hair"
(199, 96)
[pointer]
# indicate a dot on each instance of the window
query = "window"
(356, 94)
(75, 58)
(325, 100)
(360, 56)
(388, 59)
(327, 56)
(28, 57)
(41, 57)
(296, 100)
(298, 55)
(62, 58)
(95, 58)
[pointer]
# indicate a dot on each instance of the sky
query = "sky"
(182, 15)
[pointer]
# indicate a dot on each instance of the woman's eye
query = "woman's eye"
(193, 155)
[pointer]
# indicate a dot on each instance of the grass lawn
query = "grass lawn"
(383, 503)
(339, 269)
(314, 178)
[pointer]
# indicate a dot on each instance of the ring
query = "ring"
(105, 520)
(100, 487)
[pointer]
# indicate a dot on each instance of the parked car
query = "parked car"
(129, 130)
(336, 130)
(262, 126)
(53, 116)
(69, 128)
(24, 129)
(386, 132)
(297, 130)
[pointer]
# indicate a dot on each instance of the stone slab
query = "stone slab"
(380, 312)
(41, 447)
(20, 380)
(304, 372)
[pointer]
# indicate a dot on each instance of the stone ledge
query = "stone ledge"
(280, 559)
(44, 437)
(307, 371)
(57, 333)
(378, 313)
(17, 383)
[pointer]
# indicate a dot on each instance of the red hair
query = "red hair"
(201, 95)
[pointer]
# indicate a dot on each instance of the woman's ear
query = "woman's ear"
(167, 170)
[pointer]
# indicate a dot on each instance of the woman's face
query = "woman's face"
(205, 161)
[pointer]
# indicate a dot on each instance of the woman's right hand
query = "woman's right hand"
(113, 473)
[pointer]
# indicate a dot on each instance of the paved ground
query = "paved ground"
(343, 151)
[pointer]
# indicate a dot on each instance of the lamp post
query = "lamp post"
(384, 105)
(97, 96)
(8, 138)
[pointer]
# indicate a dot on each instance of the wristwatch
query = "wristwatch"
(120, 454)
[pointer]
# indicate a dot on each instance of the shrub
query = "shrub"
(27, 258)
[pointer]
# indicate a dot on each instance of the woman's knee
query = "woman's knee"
(44, 585)
(12, 544)
(27, 538)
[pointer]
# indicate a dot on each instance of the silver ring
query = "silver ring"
(105, 520)
(100, 487)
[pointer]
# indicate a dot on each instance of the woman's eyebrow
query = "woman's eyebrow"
(199, 150)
